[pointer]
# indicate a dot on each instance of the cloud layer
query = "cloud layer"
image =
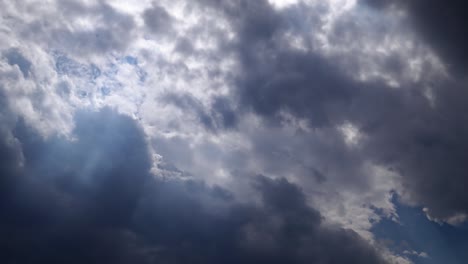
(227, 131)
(93, 200)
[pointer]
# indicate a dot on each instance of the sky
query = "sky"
(234, 131)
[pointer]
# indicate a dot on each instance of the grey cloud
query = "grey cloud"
(112, 31)
(188, 103)
(73, 202)
(15, 57)
(218, 115)
(282, 229)
(157, 19)
(294, 81)
(92, 200)
(425, 144)
(224, 112)
(419, 138)
(441, 24)
(404, 130)
(274, 77)
(98, 187)
(184, 46)
(254, 20)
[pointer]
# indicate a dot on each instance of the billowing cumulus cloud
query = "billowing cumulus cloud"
(228, 131)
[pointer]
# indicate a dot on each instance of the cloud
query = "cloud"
(352, 101)
(422, 146)
(14, 57)
(439, 24)
(157, 19)
(220, 116)
(422, 143)
(404, 130)
(303, 98)
(92, 199)
(415, 253)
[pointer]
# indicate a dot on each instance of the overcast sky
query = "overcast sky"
(234, 131)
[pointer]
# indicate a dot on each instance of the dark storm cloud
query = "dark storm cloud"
(72, 201)
(425, 142)
(301, 83)
(274, 77)
(441, 23)
(419, 136)
(426, 145)
(92, 200)
(203, 224)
